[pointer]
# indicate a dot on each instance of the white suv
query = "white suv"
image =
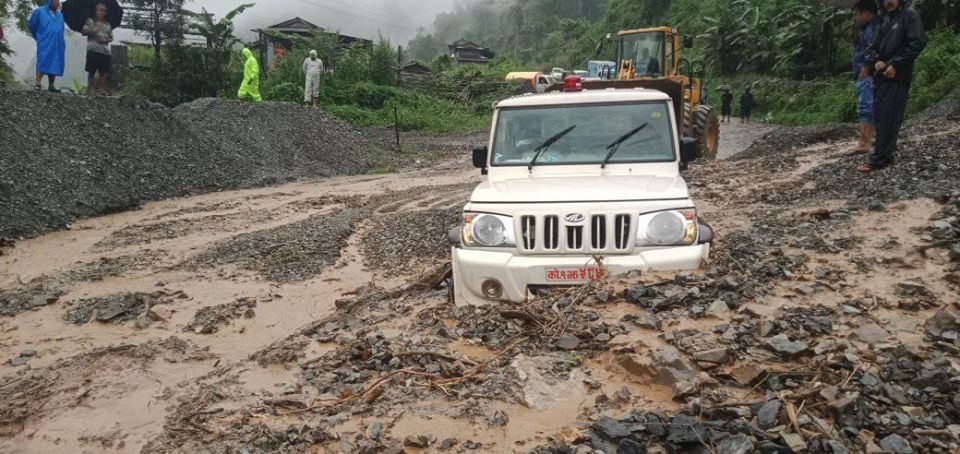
(577, 185)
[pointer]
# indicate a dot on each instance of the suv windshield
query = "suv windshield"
(520, 131)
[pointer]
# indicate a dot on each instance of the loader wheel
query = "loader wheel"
(706, 131)
(703, 126)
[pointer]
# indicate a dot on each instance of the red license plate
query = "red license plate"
(574, 274)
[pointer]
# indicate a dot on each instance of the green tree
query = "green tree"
(160, 21)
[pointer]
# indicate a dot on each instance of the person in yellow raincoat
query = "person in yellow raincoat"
(251, 78)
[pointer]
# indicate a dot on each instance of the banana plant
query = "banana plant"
(219, 34)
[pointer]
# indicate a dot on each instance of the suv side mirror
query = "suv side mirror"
(688, 151)
(688, 42)
(480, 157)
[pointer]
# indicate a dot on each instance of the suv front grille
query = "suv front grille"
(597, 234)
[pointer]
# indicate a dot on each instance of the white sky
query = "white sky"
(395, 19)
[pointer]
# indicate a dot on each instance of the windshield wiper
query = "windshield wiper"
(615, 146)
(546, 144)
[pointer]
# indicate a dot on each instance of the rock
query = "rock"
(666, 366)
(636, 294)
(769, 447)
(539, 393)
(568, 342)
(736, 444)
(18, 361)
(374, 430)
(946, 320)
(871, 333)
(418, 441)
(28, 353)
(896, 444)
(685, 430)
(785, 347)
(647, 320)
(806, 290)
(718, 309)
(611, 429)
(602, 337)
(794, 442)
(768, 414)
(628, 446)
(498, 418)
(716, 355)
(843, 405)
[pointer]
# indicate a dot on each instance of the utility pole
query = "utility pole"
(396, 108)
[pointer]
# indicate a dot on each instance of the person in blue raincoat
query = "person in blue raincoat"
(46, 27)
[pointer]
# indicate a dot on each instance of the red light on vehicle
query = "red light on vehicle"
(572, 83)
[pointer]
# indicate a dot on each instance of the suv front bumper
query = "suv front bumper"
(516, 273)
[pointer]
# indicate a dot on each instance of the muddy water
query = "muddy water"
(130, 411)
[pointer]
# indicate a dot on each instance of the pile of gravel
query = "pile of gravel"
(64, 158)
(289, 253)
(401, 240)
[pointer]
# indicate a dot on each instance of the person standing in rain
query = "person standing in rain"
(99, 35)
(250, 88)
(865, 12)
(312, 69)
(746, 106)
(46, 27)
(900, 40)
(726, 109)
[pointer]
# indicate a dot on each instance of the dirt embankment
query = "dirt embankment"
(64, 158)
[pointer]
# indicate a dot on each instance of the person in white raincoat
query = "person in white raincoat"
(313, 69)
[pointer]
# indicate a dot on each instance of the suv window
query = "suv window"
(598, 126)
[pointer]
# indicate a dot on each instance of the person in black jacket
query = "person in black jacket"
(897, 44)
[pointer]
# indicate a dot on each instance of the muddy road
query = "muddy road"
(308, 317)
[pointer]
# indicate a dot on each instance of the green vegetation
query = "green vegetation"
(794, 53)
(793, 102)
(363, 87)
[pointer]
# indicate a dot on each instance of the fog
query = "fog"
(397, 20)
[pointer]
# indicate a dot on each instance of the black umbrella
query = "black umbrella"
(76, 12)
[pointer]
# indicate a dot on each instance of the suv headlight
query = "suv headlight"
(487, 230)
(668, 228)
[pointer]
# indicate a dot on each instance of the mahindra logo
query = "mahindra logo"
(574, 218)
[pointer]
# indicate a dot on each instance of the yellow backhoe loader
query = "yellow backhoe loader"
(650, 58)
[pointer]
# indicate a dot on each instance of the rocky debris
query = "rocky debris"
(154, 153)
(120, 307)
(924, 167)
(944, 232)
(786, 139)
(395, 242)
(289, 253)
(665, 366)
(782, 345)
(47, 289)
(211, 319)
(871, 333)
(542, 386)
(947, 109)
(896, 444)
(944, 325)
(156, 231)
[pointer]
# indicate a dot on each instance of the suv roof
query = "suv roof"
(585, 97)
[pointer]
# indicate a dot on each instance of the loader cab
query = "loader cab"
(655, 53)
